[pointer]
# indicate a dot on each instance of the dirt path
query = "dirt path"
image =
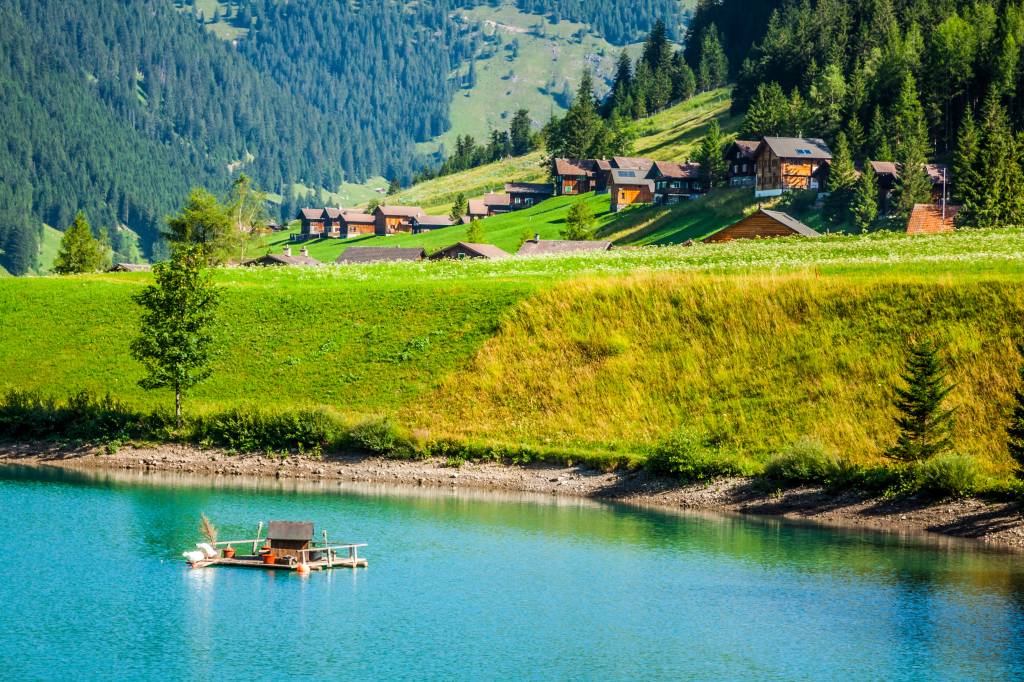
(1000, 524)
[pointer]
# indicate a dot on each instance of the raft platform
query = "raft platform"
(289, 547)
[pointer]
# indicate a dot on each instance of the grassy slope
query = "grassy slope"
(49, 245)
(752, 344)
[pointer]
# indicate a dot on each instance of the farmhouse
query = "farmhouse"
(395, 219)
(311, 223)
(497, 203)
(544, 247)
(379, 254)
(526, 194)
(285, 258)
(789, 163)
(579, 176)
(426, 223)
(762, 225)
(628, 187)
(356, 223)
(477, 209)
(741, 169)
(676, 181)
(464, 250)
(932, 219)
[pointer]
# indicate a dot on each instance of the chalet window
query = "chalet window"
(676, 185)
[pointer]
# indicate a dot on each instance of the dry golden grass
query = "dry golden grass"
(754, 363)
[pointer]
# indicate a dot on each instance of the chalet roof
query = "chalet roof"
(631, 162)
(433, 220)
(745, 149)
(477, 207)
(581, 167)
(927, 219)
(629, 177)
(333, 213)
(131, 267)
(355, 217)
(541, 247)
(677, 171)
(805, 148)
(489, 251)
(497, 200)
(301, 531)
(934, 170)
(283, 259)
(529, 188)
(603, 164)
(311, 213)
(401, 211)
(790, 222)
(377, 254)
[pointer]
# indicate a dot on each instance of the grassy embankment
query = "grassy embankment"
(749, 348)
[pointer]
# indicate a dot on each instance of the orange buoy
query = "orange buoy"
(302, 568)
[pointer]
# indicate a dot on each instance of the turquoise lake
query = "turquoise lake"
(478, 587)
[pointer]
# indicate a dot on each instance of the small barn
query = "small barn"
(380, 254)
(356, 223)
(763, 224)
(426, 223)
(932, 219)
(287, 537)
(526, 194)
(549, 247)
(464, 250)
(285, 258)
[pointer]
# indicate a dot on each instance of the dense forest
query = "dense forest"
(116, 108)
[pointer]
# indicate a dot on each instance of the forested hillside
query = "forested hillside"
(117, 108)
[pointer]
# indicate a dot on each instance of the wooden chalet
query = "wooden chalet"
(332, 223)
(311, 221)
(498, 203)
(426, 223)
(477, 209)
(395, 219)
(887, 176)
(380, 254)
(674, 182)
(631, 163)
(357, 223)
(740, 162)
(579, 176)
(932, 219)
(789, 163)
(763, 224)
(526, 194)
(464, 250)
(285, 258)
(549, 247)
(628, 187)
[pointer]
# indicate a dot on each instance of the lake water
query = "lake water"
(471, 586)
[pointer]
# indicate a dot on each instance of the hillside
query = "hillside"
(751, 347)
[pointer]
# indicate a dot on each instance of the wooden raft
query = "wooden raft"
(292, 557)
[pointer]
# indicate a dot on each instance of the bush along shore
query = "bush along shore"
(107, 423)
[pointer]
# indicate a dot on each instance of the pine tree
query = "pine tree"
(799, 117)
(1015, 429)
(475, 232)
(519, 133)
(79, 250)
(582, 133)
(459, 208)
(710, 157)
(878, 138)
(767, 112)
(864, 208)
(713, 67)
(394, 187)
(923, 422)
(175, 343)
(911, 133)
(842, 180)
(579, 223)
(965, 162)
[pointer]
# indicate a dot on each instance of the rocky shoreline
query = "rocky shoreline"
(999, 524)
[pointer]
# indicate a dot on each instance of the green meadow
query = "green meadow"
(750, 346)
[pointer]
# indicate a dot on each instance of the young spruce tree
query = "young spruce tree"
(923, 421)
(79, 250)
(175, 341)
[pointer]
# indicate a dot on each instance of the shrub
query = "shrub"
(690, 458)
(251, 430)
(950, 474)
(805, 462)
(380, 436)
(27, 415)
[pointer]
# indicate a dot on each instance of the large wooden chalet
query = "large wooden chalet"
(579, 176)
(740, 164)
(395, 219)
(311, 223)
(790, 164)
(674, 182)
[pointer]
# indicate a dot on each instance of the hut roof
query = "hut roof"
(477, 207)
(790, 222)
(629, 177)
(301, 531)
(632, 163)
(377, 254)
(355, 217)
(927, 219)
(496, 200)
(745, 149)
(575, 167)
(401, 211)
(489, 251)
(539, 247)
(433, 221)
(284, 259)
(798, 148)
(529, 188)
(311, 213)
(131, 267)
